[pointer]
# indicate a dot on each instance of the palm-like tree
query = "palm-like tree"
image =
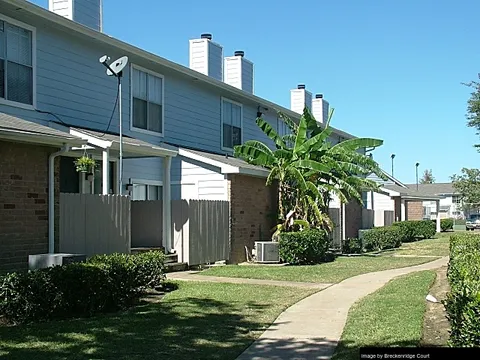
(308, 168)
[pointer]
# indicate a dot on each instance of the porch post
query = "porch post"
(105, 171)
(167, 204)
(402, 210)
(439, 229)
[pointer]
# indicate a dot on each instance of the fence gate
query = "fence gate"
(94, 224)
(201, 230)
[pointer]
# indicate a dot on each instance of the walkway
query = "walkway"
(193, 276)
(311, 328)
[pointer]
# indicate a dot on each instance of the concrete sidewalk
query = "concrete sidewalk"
(311, 328)
(193, 276)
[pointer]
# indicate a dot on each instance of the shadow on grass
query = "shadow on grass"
(187, 328)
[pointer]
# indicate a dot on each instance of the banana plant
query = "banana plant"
(308, 168)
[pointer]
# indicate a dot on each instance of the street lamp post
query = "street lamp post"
(392, 157)
(416, 172)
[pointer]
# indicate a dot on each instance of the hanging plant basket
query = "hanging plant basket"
(84, 164)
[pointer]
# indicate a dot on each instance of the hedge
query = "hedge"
(446, 224)
(382, 238)
(352, 246)
(102, 284)
(463, 301)
(412, 230)
(304, 247)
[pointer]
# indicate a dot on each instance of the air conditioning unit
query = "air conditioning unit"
(266, 252)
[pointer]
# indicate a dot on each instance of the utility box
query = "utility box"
(266, 252)
(41, 261)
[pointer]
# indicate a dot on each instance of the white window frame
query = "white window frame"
(34, 65)
(147, 183)
(140, 130)
(222, 100)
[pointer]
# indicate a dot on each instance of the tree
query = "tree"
(427, 177)
(468, 186)
(309, 169)
(473, 107)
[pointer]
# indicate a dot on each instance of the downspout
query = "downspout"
(51, 197)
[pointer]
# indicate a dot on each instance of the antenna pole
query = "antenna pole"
(120, 130)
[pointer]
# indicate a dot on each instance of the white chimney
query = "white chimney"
(206, 56)
(299, 98)
(320, 108)
(238, 72)
(85, 12)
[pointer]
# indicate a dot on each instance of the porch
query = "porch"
(108, 176)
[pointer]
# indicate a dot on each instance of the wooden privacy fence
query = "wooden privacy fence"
(94, 224)
(388, 216)
(336, 234)
(147, 223)
(368, 218)
(201, 230)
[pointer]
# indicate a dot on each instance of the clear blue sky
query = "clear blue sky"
(392, 69)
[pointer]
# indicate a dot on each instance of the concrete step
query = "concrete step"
(175, 266)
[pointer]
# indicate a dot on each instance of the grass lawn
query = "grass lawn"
(197, 321)
(391, 316)
(434, 247)
(333, 272)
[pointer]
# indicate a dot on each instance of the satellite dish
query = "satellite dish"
(117, 66)
(104, 59)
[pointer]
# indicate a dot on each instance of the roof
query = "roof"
(410, 193)
(17, 129)
(130, 145)
(226, 164)
(44, 14)
(434, 189)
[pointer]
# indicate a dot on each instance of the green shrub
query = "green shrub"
(304, 247)
(382, 238)
(425, 229)
(463, 301)
(408, 230)
(413, 230)
(103, 284)
(446, 224)
(352, 246)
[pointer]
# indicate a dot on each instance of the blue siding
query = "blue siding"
(72, 84)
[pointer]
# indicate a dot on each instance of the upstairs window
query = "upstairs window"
(232, 116)
(147, 101)
(16, 64)
(282, 128)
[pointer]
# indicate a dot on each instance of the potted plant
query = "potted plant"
(84, 164)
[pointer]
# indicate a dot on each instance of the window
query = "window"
(147, 101)
(282, 128)
(16, 64)
(147, 192)
(457, 200)
(232, 114)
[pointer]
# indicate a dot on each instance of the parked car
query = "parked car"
(473, 222)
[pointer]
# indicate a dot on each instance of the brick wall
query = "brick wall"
(23, 203)
(353, 219)
(414, 210)
(252, 205)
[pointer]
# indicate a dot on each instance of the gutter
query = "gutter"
(51, 197)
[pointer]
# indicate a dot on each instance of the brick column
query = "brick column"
(23, 203)
(252, 213)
